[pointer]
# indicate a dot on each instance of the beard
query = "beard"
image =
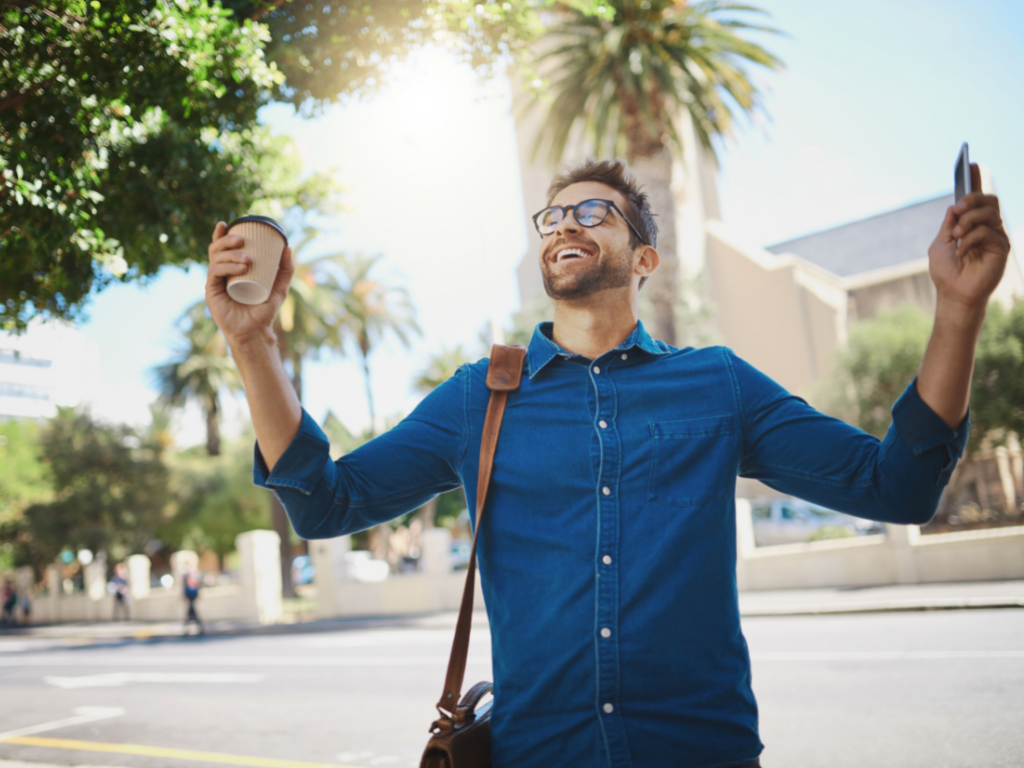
(614, 272)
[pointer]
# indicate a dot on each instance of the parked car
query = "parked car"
(789, 521)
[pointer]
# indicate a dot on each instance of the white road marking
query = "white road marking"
(82, 715)
(80, 659)
(116, 679)
(388, 638)
(883, 655)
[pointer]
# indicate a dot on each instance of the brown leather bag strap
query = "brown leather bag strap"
(504, 373)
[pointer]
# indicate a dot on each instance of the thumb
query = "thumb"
(946, 230)
(284, 275)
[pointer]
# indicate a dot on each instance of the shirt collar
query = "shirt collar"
(543, 349)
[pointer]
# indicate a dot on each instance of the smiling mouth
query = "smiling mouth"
(564, 254)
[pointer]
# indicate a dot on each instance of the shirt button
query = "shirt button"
(608, 708)
(607, 559)
(602, 424)
(624, 355)
(606, 491)
(597, 369)
(605, 632)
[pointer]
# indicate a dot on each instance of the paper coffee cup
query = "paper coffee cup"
(264, 241)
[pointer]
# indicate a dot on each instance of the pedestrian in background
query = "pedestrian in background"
(9, 598)
(191, 594)
(120, 582)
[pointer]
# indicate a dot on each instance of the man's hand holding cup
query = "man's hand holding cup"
(250, 268)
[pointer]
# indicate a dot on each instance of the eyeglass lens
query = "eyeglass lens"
(589, 213)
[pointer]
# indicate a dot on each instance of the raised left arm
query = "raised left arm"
(966, 262)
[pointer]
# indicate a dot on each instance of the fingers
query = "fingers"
(986, 215)
(284, 275)
(984, 239)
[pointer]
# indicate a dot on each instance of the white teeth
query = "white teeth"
(571, 252)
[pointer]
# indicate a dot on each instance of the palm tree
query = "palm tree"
(312, 315)
(199, 371)
(374, 310)
(311, 319)
(625, 80)
(440, 367)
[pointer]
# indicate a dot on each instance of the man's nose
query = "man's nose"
(568, 225)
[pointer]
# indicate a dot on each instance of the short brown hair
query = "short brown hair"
(615, 174)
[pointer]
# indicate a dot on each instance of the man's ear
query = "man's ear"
(647, 262)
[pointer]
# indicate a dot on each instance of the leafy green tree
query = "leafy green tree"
(997, 388)
(109, 491)
(24, 480)
(126, 127)
(881, 357)
(625, 79)
(214, 499)
(200, 370)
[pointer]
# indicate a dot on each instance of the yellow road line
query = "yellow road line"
(174, 754)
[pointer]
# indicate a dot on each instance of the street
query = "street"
(941, 689)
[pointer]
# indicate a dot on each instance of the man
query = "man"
(608, 555)
(120, 583)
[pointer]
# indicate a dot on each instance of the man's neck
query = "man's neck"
(592, 326)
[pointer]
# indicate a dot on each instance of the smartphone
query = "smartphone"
(962, 173)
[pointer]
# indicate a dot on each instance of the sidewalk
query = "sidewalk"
(797, 602)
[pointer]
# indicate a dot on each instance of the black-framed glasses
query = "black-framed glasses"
(589, 213)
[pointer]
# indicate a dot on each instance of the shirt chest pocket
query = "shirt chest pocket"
(691, 461)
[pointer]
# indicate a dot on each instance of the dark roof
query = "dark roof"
(873, 243)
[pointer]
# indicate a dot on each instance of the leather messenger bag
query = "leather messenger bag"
(461, 736)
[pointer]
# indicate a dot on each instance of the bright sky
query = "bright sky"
(869, 114)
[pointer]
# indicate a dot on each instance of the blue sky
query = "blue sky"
(868, 115)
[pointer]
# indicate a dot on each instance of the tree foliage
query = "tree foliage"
(882, 356)
(109, 491)
(624, 78)
(126, 129)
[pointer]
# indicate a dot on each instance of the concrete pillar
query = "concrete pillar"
(436, 551)
(328, 556)
(901, 540)
(138, 575)
(744, 543)
(259, 553)
(182, 562)
(95, 577)
(55, 581)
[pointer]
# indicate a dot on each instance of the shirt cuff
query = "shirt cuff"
(302, 463)
(922, 430)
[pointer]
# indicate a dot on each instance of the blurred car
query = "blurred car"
(790, 521)
(303, 571)
(461, 549)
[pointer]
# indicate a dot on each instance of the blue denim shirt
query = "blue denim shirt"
(608, 553)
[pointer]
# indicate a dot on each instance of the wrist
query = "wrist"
(252, 342)
(959, 315)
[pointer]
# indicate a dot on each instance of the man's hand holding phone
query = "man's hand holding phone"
(968, 256)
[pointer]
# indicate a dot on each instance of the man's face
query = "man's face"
(578, 261)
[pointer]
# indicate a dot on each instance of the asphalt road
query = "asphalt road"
(938, 689)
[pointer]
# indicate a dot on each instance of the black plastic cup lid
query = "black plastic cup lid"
(262, 220)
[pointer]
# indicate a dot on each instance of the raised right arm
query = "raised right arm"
(275, 409)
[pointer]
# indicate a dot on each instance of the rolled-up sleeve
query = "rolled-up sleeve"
(790, 446)
(387, 477)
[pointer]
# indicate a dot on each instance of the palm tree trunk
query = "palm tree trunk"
(655, 173)
(212, 426)
(428, 512)
(369, 396)
(278, 516)
(651, 161)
